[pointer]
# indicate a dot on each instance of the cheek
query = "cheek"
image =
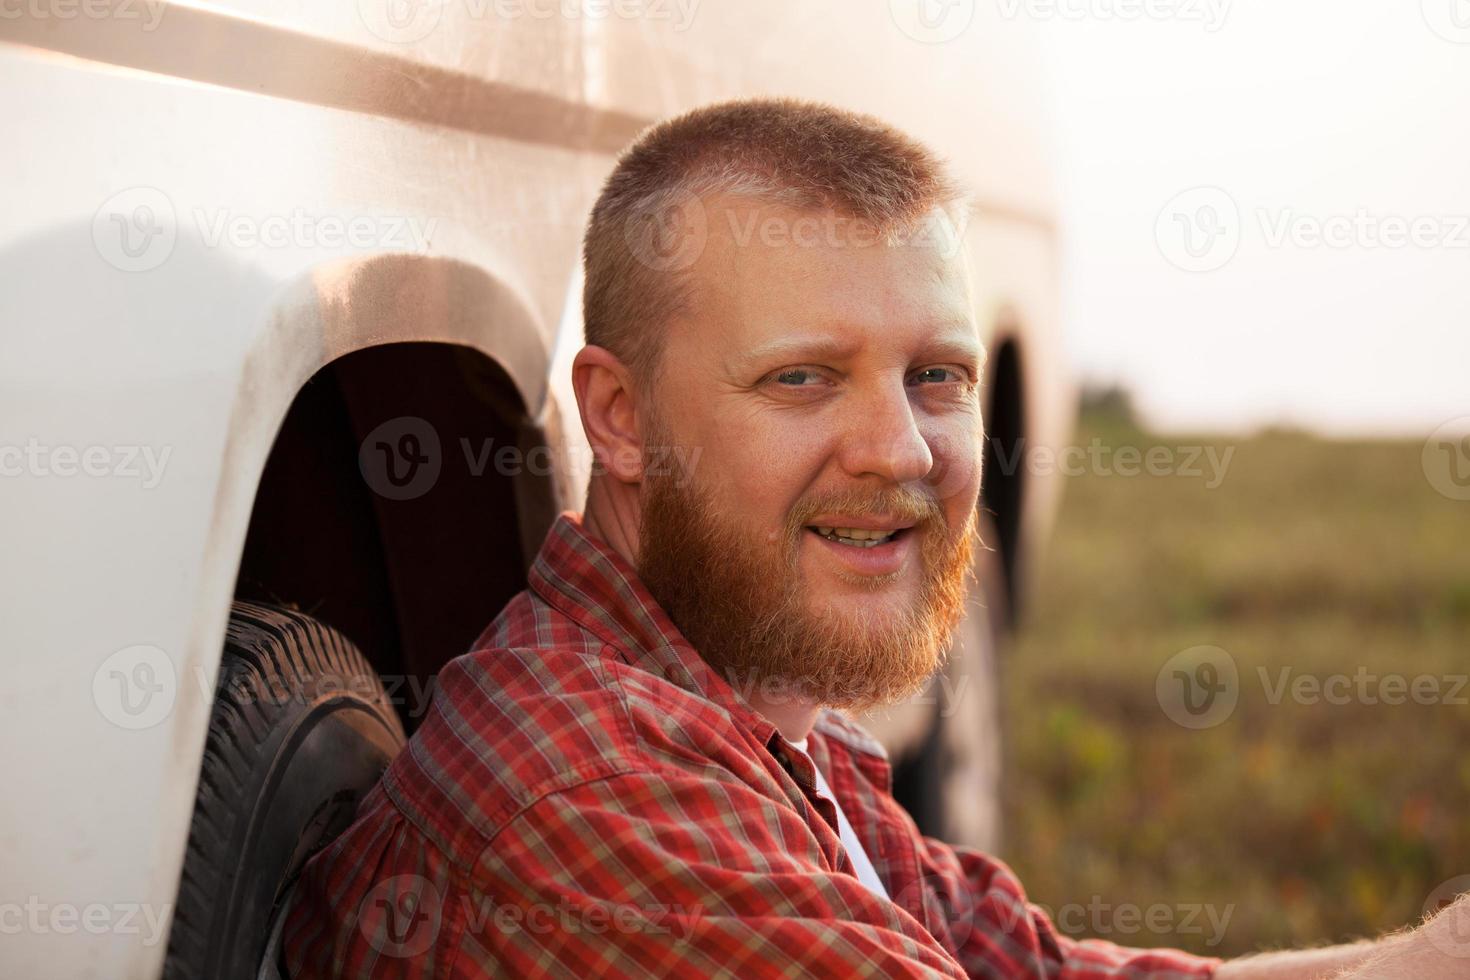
(762, 470)
(955, 479)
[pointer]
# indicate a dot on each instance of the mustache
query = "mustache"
(903, 503)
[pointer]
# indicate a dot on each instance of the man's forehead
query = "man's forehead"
(773, 276)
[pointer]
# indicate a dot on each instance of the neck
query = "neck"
(793, 719)
(611, 514)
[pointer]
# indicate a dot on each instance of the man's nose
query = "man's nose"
(882, 437)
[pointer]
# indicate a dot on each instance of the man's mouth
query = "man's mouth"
(858, 537)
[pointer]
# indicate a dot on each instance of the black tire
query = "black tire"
(301, 730)
(951, 783)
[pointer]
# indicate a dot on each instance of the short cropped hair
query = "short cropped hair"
(801, 154)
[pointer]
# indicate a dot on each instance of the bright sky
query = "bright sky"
(1302, 114)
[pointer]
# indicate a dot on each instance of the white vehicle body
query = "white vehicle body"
(205, 205)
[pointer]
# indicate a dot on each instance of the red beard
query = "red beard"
(744, 607)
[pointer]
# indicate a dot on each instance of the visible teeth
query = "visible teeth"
(860, 534)
(862, 537)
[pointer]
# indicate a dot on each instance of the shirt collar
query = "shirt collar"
(584, 578)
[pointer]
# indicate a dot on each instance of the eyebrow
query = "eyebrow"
(800, 348)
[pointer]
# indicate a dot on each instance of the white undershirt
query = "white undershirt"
(866, 873)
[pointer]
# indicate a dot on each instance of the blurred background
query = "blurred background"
(1241, 185)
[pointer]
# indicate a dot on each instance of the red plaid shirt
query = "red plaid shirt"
(588, 798)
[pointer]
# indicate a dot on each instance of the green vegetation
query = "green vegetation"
(1308, 821)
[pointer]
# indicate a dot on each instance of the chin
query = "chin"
(845, 584)
(866, 604)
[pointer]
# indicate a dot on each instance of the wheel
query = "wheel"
(950, 783)
(301, 730)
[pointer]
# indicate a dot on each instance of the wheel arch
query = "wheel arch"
(350, 345)
(1003, 491)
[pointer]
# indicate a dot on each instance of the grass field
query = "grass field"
(1310, 814)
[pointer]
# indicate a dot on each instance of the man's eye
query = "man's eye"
(796, 377)
(937, 375)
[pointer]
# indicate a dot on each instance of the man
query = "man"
(639, 769)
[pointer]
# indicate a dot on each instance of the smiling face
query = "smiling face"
(824, 386)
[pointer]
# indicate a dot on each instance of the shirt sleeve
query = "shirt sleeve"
(380, 901)
(673, 874)
(996, 931)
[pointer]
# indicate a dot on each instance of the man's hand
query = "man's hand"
(1437, 950)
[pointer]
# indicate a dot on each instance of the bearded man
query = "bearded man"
(641, 767)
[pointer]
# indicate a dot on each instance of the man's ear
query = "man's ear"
(607, 399)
